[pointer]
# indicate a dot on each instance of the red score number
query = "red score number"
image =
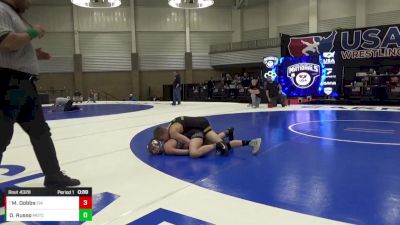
(85, 202)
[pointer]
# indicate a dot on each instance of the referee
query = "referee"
(19, 102)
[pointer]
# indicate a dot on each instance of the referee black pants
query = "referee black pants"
(19, 103)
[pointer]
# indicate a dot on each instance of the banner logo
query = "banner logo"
(311, 45)
(329, 58)
(303, 75)
(270, 61)
(371, 43)
(270, 74)
(328, 90)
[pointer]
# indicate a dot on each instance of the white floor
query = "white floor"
(96, 150)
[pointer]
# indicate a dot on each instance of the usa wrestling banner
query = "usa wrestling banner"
(363, 43)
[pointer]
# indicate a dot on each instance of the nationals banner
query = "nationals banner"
(362, 43)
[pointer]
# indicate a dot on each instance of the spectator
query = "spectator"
(176, 85)
(255, 93)
(394, 81)
(131, 98)
(223, 76)
(92, 96)
(210, 88)
(246, 80)
(77, 96)
(274, 93)
(234, 87)
(228, 79)
(371, 71)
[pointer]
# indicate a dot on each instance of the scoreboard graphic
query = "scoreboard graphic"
(314, 75)
(41, 204)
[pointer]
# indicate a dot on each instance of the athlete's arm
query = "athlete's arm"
(170, 148)
(179, 137)
(174, 134)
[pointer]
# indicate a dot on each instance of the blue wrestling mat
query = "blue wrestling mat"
(93, 110)
(340, 165)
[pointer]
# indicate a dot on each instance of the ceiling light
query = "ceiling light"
(97, 3)
(190, 4)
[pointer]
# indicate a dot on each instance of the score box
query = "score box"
(85, 202)
(42, 204)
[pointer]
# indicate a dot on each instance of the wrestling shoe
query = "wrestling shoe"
(255, 143)
(230, 132)
(221, 148)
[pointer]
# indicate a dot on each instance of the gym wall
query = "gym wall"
(104, 40)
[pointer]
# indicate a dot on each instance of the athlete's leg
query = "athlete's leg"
(197, 149)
